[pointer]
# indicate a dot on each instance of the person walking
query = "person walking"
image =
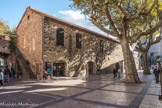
(2, 69)
(7, 74)
(13, 71)
(44, 75)
(114, 72)
(118, 69)
(155, 70)
(1, 78)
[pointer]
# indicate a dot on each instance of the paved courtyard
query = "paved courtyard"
(99, 91)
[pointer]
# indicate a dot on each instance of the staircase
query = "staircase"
(27, 72)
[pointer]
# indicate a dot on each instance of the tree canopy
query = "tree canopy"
(4, 28)
(128, 20)
(118, 17)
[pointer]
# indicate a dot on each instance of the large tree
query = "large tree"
(126, 20)
(144, 46)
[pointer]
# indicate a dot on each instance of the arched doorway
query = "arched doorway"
(4, 59)
(1, 61)
(91, 68)
(59, 68)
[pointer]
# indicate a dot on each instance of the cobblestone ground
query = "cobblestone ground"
(99, 91)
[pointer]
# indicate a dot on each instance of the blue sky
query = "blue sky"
(13, 10)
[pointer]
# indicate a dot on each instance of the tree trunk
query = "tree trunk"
(129, 63)
(146, 69)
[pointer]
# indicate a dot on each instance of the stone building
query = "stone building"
(47, 42)
(4, 37)
(5, 58)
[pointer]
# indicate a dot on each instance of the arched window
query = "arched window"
(78, 40)
(60, 37)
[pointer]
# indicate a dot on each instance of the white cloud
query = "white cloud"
(77, 18)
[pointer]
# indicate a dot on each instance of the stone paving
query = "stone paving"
(98, 91)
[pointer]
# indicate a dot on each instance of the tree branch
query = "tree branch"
(147, 32)
(138, 13)
(121, 7)
(146, 13)
(106, 10)
(94, 21)
(140, 47)
(158, 39)
(103, 28)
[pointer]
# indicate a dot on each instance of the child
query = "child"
(1, 78)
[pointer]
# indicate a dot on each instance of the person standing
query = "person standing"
(118, 69)
(13, 71)
(44, 75)
(1, 78)
(114, 72)
(49, 73)
(155, 70)
(2, 68)
(7, 74)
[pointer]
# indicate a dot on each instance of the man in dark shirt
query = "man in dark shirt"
(7, 74)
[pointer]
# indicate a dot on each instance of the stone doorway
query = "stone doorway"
(59, 69)
(91, 68)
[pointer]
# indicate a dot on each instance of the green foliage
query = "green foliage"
(12, 44)
(131, 7)
(4, 28)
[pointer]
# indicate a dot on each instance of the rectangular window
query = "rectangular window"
(60, 37)
(101, 46)
(78, 41)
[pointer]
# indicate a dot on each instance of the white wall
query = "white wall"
(157, 49)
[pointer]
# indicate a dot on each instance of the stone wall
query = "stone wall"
(75, 59)
(29, 40)
(37, 42)
(4, 47)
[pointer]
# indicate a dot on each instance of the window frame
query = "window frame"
(78, 40)
(101, 46)
(60, 37)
